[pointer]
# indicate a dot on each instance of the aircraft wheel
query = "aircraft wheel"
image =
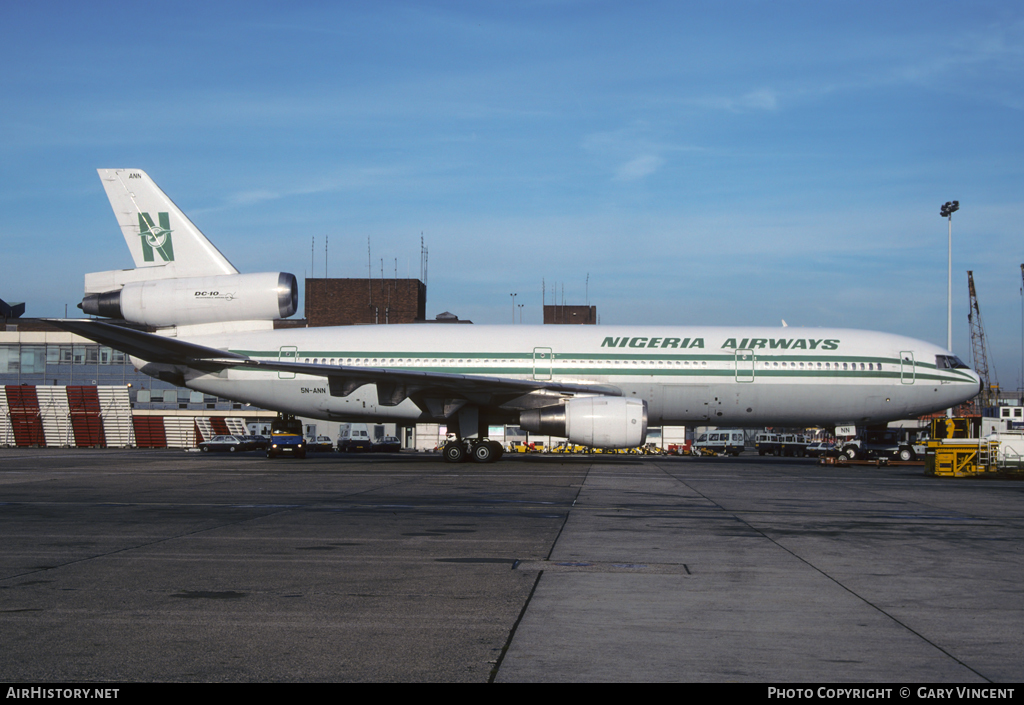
(498, 450)
(483, 453)
(454, 452)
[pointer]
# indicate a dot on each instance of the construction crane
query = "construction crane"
(979, 349)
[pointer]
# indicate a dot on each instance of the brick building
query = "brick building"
(345, 302)
(585, 315)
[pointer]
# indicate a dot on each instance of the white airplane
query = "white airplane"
(595, 385)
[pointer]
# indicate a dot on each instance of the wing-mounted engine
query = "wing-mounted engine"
(197, 300)
(602, 422)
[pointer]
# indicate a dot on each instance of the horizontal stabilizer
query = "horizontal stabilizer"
(145, 346)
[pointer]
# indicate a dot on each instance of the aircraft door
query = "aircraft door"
(907, 371)
(744, 365)
(542, 362)
(287, 353)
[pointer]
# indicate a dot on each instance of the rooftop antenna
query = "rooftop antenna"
(423, 260)
(326, 242)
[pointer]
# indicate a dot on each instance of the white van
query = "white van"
(354, 438)
(720, 441)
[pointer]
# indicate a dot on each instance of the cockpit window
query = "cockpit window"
(949, 362)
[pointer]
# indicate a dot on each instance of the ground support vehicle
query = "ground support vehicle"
(728, 442)
(680, 448)
(521, 447)
(286, 437)
(567, 448)
(871, 444)
(354, 438)
(792, 445)
(956, 450)
(767, 443)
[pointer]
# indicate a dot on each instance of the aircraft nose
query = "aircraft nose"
(977, 378)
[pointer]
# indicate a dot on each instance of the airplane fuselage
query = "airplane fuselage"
(722, 376)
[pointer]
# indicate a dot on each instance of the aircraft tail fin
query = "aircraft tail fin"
(158, 234)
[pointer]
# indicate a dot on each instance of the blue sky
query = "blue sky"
(703, 163)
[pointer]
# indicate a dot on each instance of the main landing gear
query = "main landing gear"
(480, 451)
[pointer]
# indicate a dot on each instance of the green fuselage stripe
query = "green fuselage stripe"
(561, 364)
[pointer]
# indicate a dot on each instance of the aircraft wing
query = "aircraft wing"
(438, 393)
(145, 346)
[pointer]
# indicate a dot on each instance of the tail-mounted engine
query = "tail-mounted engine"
(601, 422)
(171, 302)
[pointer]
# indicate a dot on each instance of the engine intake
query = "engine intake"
(602, 422)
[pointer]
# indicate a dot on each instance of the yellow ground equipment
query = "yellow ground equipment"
(955, 450)
(519, 447)
(567, 448)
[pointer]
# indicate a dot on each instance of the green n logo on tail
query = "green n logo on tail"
(156, 237)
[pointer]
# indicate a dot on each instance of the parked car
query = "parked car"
(816, 450)
(228, 444)
(322, 444)
(258, 442)
(387, 444)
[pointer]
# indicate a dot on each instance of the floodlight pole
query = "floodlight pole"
(946, 211)
(513, 308)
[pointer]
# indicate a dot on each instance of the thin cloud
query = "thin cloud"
(640, 167)
(760, 99)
